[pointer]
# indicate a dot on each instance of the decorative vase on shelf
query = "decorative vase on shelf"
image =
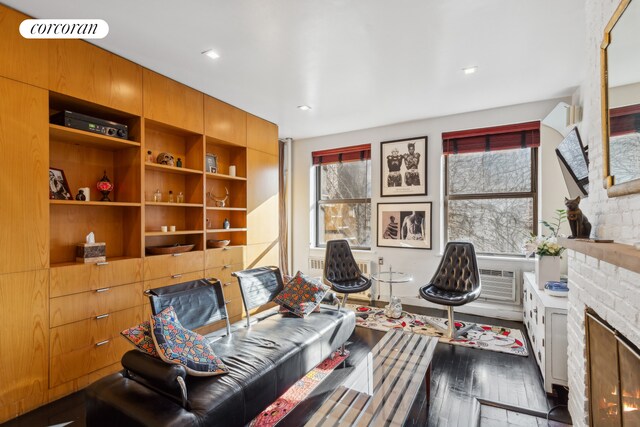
(547, 269)
(105, 186)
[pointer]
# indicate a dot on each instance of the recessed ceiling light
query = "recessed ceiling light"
(304, 107)
(470, 70)
(211, 54)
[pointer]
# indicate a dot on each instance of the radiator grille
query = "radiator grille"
(498, 285)
(318, 264)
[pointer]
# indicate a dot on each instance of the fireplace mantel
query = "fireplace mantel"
(625, 256)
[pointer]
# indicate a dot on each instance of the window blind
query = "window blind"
(343, 154)
(521, 135)
(623, 120)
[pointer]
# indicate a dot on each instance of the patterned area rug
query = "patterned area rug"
(485, 337)
(296, 393)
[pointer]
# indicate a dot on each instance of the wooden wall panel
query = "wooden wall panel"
(82, 70)
(25, 60)
(24, 177)
(24, 341)
(173, 103)
(262, 135)
(262, 197)
(225, 122)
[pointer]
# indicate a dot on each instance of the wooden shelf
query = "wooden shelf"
(89, 139)
(92, 203)
(225, 177)
(175, 205)
(171, 233)
(109, 259)
(214, 208)
(225, 230)
(624, 256)
(172, 169)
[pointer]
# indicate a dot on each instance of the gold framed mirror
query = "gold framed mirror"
(620, 68)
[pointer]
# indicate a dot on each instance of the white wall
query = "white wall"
(420, 263)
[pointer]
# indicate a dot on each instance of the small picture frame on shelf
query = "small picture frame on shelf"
(212, 163)
(58, 185)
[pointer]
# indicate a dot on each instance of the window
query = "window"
(343, 195)
(491, 184)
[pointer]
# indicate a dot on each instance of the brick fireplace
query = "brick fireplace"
(613, 293)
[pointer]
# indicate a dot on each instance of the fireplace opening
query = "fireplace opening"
(613, 368)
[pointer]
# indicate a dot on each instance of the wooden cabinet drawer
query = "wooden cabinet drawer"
(224, 274)
(68, 366)
(224, 256)
(72, 308)
(77, 278)
(234, 307)
(165, 266)
(177, 278)
(88, 332)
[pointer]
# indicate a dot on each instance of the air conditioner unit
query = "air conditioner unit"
(499, 285)
(316, 269)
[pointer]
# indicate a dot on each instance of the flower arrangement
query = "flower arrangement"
(547, 245)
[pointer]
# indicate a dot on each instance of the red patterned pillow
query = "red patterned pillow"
(301, 295)
(140, 336)
(176, 344)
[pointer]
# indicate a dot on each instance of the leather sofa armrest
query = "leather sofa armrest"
(165, 378)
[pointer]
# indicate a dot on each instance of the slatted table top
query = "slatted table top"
(381, 390)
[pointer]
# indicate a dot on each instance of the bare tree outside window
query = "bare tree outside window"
(491, 199)
(344, 203)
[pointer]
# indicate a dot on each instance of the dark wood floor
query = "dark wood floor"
(459, 376)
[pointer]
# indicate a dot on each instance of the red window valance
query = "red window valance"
(343, 154)
(623, 120)
(520, 135)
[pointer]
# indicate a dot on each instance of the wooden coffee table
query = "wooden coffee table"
(383, 386)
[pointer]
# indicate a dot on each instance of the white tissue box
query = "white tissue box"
(91, 252)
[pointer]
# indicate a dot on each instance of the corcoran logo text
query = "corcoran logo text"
(64, 29)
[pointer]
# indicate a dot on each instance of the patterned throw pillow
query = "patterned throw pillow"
(178, 345)
(301, 295)
(140, 335)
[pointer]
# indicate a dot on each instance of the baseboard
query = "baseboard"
(499, 311)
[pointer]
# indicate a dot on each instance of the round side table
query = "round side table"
(394, 308)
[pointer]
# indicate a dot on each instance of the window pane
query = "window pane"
(496, 226)
(349, 221)
(504, 171)
(348, 180)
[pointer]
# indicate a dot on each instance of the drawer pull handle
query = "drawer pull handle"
(225, 249)
(102, 316)
(226, 283)
(102, 290)
(226, 302)
(102, 263)
(176, 254)
(176, 276)
(98, 344)
(227, 266)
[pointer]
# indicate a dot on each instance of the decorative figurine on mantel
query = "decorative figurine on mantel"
(105, 186)
(580, 225)
(90, 251)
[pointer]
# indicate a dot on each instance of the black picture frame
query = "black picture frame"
(58, 185)
(396, 179)
(211, 163)
(401, 214)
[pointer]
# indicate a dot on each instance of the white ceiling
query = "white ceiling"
(357, 63)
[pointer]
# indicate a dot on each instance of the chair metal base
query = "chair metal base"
(343, 350)
(451, 331)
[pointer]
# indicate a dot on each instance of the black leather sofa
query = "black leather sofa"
(264, 360)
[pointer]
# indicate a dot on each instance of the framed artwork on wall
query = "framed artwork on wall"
(404, 225)
(403, 167)
(58, 185)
